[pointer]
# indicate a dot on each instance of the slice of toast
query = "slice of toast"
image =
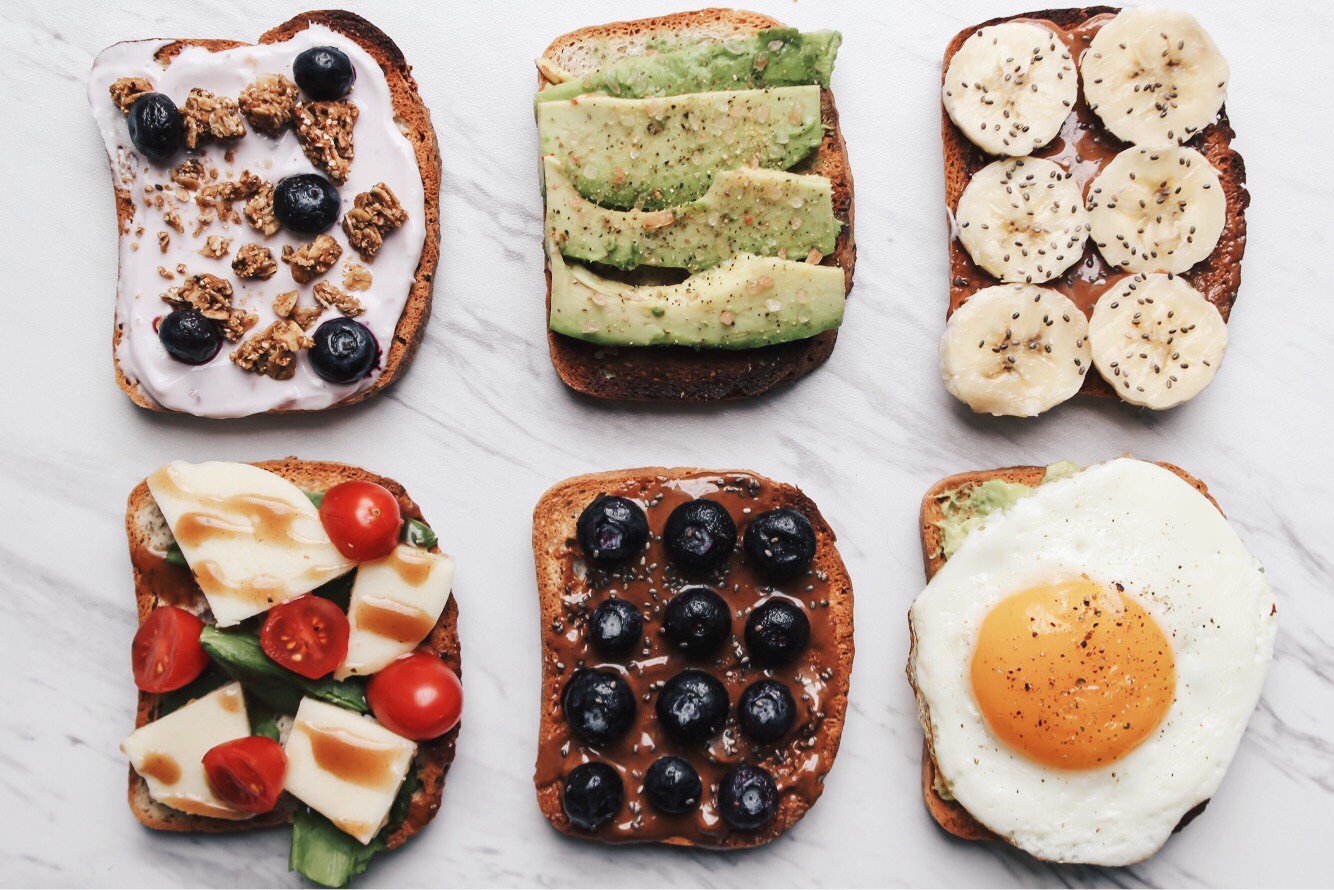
(149, 538)
(671, 373)
(1218, 277)
(555, 546)
(947, 812)
(414, 120)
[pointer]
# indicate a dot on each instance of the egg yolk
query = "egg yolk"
(1071, 674)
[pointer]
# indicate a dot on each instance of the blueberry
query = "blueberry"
(345, 350)
(766, 711)
(747, 797)
(190, 337)
(672, 785)
(776, 632)
(156, 126)
(593, 795)
(324, 73)
(599, 705)
(693, 705)
(612, 529)
(615, 627)
(698, 621)
(699, 535)
(780, 543)
(306, 203)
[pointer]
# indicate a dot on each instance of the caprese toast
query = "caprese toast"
(696, 652)
(297, 658)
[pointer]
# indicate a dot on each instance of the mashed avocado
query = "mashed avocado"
(764, 212)
(965, 508)
(779, 57)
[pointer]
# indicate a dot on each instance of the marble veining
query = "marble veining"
(480, 426)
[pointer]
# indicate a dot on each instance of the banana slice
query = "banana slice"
(1157, 209)
(1023, 220)
(1015, 350)
(1156, 340)
(1154, 76)
(1010, 87)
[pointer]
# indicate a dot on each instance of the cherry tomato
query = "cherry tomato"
(418, 697)
(166, 653)
(307, 635)
(363, 519)
(247, 773)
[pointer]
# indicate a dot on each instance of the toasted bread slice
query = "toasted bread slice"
(947, 812)
(149, 538)
(671, 373)
(414, 120)
(554, 520)
(1218, 277)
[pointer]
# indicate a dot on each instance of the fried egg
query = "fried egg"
(1086, 662)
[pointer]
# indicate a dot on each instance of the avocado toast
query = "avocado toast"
(164, 582)
(699, 227)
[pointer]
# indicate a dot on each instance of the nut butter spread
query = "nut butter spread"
(817, 678)
(1083, 148)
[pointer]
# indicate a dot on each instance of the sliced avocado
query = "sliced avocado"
(778, 57)
(654, 153)
(745, 302)
(744, 211)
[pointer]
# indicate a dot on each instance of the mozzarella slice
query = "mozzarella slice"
(168, 752)
(252, 539)
(395, 603)
(346, 766)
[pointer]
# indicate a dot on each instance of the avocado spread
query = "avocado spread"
(764, 212)
(778, 57)
(744, 302)
(649, 154)
(965, 508)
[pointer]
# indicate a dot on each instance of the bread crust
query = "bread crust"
(433, 757)
(554, 520)
(416, 117)
(685, 374)
(1218, 276)
(948, 813)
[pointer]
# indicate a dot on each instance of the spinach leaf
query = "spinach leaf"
(419, 534)
(210, 679)
(265, 722)
(174, 556)
(316, 498)
(240, 655)
(338, 591)
(326, 855)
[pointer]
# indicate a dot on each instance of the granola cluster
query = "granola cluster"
(334, 298)
(209, 118)
(373, 215)
(324, 130)
(272, 352)
(212, 297)
(189, 175)
(258, 210)
(269, 103)
(313, 259)
(125, 90)
(254, 261)
(284, 306)
(216, 247)
(356, 277)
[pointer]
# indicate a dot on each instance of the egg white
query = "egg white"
(1124, 521)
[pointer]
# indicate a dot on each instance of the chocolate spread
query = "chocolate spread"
(816, 679)
(1083, 147)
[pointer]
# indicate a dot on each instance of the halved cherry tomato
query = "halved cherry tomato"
(418, 697)
(363, 519)
(247, 773)
(307, 635)
(166, 653)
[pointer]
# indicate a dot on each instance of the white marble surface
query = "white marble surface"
(481, 426)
